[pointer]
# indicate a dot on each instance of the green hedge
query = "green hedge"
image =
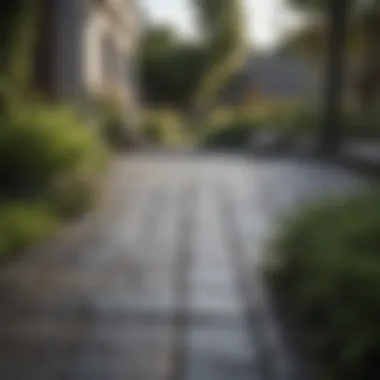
(39, 144)
(50, 162)
(326, 265)
(165, 128)
(153, 131)
(233, 133)
(366, 125)
(306, 119)
(22, 224)
(114, 126)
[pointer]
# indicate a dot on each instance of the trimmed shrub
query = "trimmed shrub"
(164, 128)
(228, 134)
(363, 125)
(153, 131)
(305, 119)
(49, 165)
(326, 265)
(40, 144)
(114, 127)
(295, 119)
(71, 195)
(22, 224)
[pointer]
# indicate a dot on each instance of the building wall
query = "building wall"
(108, 49)
(68, 49)
(86, 49)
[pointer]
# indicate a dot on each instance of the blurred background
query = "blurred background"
(148, 148)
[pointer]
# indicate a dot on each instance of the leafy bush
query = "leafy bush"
(22, 224)
(327, 267)
(295, 119)
(49, 163)
(305, 119)
(164, 128)
(366, 125)
(114, 126)
(153, 131)
(230, 133)
(39, 144)
(71, 195)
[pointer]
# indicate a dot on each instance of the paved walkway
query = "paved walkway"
(158, 286)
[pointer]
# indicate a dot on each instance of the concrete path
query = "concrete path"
(159, 284)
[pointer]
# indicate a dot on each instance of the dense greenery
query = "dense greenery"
(50, 159)
(231, 131)
(39, 143)
(18, 32)
(114, 127)
(326, 266)
(23, 223)
(49, 165)
(165, 128)
(179, 73)
(299, 119)
(222, 24)
(362, 45)
(169, 68)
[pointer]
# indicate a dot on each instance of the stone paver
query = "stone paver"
(154, 286)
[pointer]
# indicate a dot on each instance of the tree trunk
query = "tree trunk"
(330, 138)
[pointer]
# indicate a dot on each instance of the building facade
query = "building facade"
(86, 51)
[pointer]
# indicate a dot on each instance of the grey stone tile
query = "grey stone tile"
(136, 352)
(218, 302)
(211, 276)
(215, 353)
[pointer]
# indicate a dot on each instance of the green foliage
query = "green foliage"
(40, 143)
(304, 119)
(169, 70)
(223, 27)
(158, 39)
(298, 120)
(71, 195)
(19, 20)
(152, 130)
(233, 133)
(165, 128)
(362, 35)
(326, 265)
(49, 165)
(362, 125)
(114, 126)
(22, 224)
(174, 73)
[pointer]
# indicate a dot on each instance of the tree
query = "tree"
(169, 68)
(336, 13)
(337, 33)
(18, 31)
(363, 35)
(221, 22)
(368, 85)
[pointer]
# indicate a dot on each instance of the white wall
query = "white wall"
(111, 20)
